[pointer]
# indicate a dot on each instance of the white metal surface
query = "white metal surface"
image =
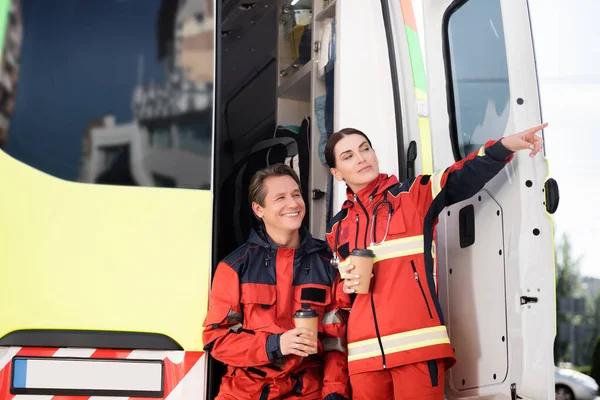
(363, 86)
(475, 291)
(319, 172)
(528, 257)
(411, 109)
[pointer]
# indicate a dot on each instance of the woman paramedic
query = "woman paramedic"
(398, 346)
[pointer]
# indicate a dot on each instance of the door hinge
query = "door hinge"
(513, 392)
(527, 300)
(317, 194)
(411, 156)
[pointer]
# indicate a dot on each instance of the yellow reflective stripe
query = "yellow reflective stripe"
(396, 254)
(416, 332)
(426, 152)
(436, 183)
(391, 249)
(481, 152)
(425, 148)
(398, 342)
(421, 94)
(398, 248)
(391, 243)
(398, 349)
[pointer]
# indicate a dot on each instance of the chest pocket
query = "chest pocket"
(258, 303)
(316, 296)
(397, 226)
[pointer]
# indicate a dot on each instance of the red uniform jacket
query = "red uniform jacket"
(255, 292)
(400, 321)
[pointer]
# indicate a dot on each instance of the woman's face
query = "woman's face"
(355, 162)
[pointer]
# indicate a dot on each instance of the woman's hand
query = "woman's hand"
(351, 280)
(528, 139)
(291, 342)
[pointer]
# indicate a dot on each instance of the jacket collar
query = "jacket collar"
(308, 244)
(371, 191)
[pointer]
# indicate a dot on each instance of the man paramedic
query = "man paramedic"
(255, 292)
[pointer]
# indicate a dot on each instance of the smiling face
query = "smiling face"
(284, 208)
(355, 162)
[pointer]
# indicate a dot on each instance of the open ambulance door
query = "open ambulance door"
(494, 251)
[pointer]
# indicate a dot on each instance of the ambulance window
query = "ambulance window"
(193, 137)
(478, 72)
(110, 92)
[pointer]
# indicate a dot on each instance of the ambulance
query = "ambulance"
(130, 129)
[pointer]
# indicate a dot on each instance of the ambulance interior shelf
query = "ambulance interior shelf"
(328, 10)
(295, 54)
(297, 86)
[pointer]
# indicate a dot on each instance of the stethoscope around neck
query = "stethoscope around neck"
(335, 261)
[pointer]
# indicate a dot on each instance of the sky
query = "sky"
(568, 61)
(565, 34)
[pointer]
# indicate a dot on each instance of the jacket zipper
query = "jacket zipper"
(412, 263)
(372, 299)
(366, 215)
(377, 327)
(356, 238)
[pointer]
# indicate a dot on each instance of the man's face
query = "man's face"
(284, 207)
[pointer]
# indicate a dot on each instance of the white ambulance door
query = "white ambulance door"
(495, 250)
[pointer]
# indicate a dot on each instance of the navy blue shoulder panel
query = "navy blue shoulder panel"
(337, 218)
(255, 264)
(252, 264)
(237, 256)
(398, 188)
(258, 267)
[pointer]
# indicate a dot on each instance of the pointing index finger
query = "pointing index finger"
(536, 128)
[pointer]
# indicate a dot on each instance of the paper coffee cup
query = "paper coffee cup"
(308, 318)
(362, 259)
